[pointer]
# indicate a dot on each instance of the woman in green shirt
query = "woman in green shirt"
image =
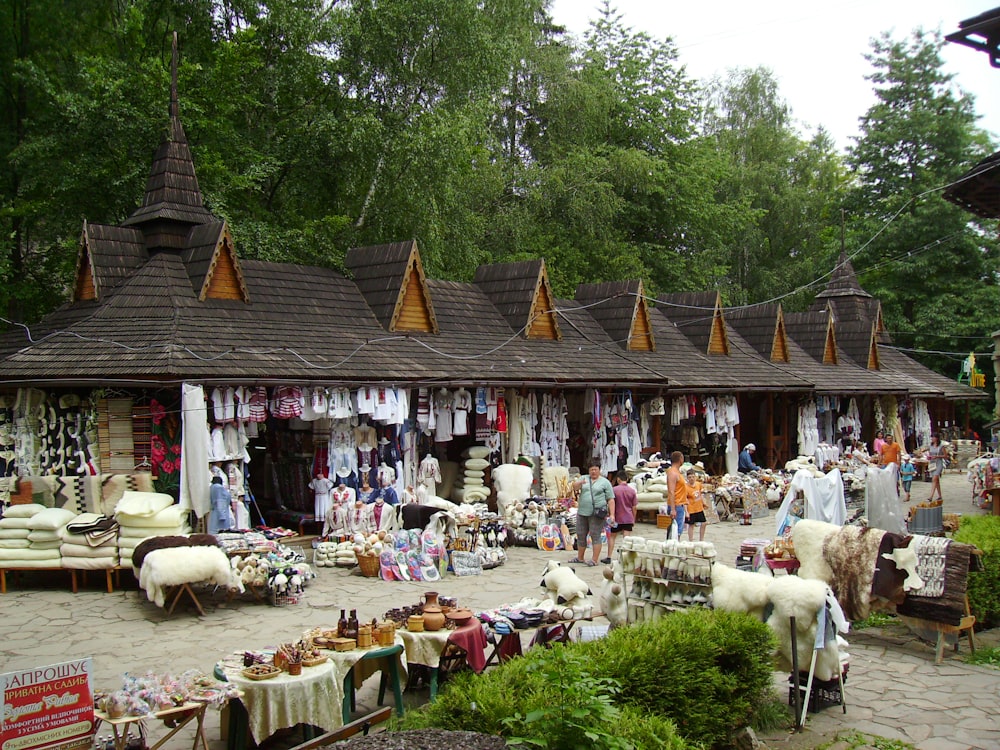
(595, 503)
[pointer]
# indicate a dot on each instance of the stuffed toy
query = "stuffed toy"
(613, 602)
(563, 583)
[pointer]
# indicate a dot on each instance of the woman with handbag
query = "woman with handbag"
(596, 496)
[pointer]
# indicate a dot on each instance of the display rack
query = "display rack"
(664, 581)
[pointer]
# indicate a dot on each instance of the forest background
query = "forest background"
(487, 133)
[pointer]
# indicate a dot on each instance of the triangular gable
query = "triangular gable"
(211, 262)
(779, 344)
(640, 337)
(413, 311)
(873, 360)
(830, 356)
(542, 323)
(85, 286)
(391, 279)
(224, 279)
(879, 322)
(718, 338)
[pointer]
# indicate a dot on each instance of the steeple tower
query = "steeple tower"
(844, 294)
(172, 203)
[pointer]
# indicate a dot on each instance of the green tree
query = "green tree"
(932, 264)
(789, 186)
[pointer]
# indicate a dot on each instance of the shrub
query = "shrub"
(705, 670)
(984, 586)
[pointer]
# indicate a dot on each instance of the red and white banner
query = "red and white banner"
(48, 708)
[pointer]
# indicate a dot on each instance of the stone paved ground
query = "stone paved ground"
(894, 689)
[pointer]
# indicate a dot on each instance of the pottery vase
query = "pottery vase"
(434, 618)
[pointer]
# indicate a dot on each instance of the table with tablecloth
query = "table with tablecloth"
(425, 648)
(316, 697)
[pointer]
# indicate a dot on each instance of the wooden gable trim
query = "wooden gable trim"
(413, 311)
(85, 282)
(718, 338)
(224, 278)
(640, 336)
(542, 323)
(779, 343)
(873, 360)
(879, 322)
(830, 356)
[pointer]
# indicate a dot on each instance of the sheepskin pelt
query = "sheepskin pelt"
(808, 537)
(950, 606)
(802, 599)
(163, 568)
(851, 554)
(739, 590)
(153, 543)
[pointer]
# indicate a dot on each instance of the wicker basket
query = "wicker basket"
(664, 521)
(369, 565)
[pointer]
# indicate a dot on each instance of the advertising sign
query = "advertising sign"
(47, 708)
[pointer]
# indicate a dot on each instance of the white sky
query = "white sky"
(815, 48)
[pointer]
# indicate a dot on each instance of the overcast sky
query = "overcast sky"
(815, 49)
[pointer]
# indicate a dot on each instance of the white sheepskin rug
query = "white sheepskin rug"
(164, 568)
(809, 537)
(512, 483)
(802, 599)
(739, 590)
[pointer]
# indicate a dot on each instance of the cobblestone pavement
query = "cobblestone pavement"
(894, 688)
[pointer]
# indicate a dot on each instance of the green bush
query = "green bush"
(984, 586)
(705, 670)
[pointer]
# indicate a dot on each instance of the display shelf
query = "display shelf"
(670, 581)
(662, 592)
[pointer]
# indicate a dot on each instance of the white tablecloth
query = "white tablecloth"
(424, 648)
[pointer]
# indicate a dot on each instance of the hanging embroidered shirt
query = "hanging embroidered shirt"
(257, 405)
(366, 400)
(384, 407)
(423, 410)
(462, 406)
(429, 474)
(223, 404)
(443, 403)
(339, 404)
(287, 402)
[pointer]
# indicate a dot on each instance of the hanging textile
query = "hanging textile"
(194, 460)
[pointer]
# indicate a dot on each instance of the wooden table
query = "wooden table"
(994, 493)
(504, 638)
(183, 715)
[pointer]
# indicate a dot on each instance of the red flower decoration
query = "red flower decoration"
(167, 466)
(176, 449)
(157, 411)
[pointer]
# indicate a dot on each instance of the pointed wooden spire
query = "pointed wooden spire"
(718, 338)
(779, 343)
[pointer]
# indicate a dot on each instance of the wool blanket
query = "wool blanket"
(852, 554)
(888, 582)
(949, 607)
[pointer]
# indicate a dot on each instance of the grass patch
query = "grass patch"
(874, 620)
(773, 712)
(860, 739)
(989, 657)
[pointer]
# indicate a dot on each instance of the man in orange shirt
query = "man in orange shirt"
(677, 491)
(890, 452)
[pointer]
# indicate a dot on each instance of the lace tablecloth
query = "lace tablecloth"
(425, 647)
(314, 697)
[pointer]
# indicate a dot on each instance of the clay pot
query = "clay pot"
(459, 616)
(434, 618)
(294, 668)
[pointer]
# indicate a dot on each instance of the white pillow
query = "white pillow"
(51, 519)
(143, 503)
(477, 451)
(44, 536)
(26, 510)
(474, 482)
(169, 518)
(14, 523)
(477, 463)
(475, 473)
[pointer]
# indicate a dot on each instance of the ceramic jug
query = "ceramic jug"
(434, 618)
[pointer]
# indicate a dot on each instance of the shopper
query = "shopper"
(676, 490)
(936, 458)
(623, 518)
(878, 442)
(695, 507)
(221, 501)
(593, 506)
(890, 451)
(906, 473)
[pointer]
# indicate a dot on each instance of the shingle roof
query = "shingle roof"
(202, 242)
(114, 253)
(692, 313)
(808, 330)
(513, 288)
(379, 271)
(843, 282)
(978, 190)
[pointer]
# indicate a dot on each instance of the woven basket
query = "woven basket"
(369, 565)
(664, 521)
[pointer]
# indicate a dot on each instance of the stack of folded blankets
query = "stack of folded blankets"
(90, 542)
(31, 536)
(141, 515)
(470, 487)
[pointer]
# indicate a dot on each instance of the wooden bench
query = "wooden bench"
(4, 571)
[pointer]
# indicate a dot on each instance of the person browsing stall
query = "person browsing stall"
(593, 506)
(746, 464)
(676, 490)
(906, 473)
(890, 451)
(695, 506)
(623, 518)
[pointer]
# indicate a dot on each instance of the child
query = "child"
(696, 507)
(906, 473)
